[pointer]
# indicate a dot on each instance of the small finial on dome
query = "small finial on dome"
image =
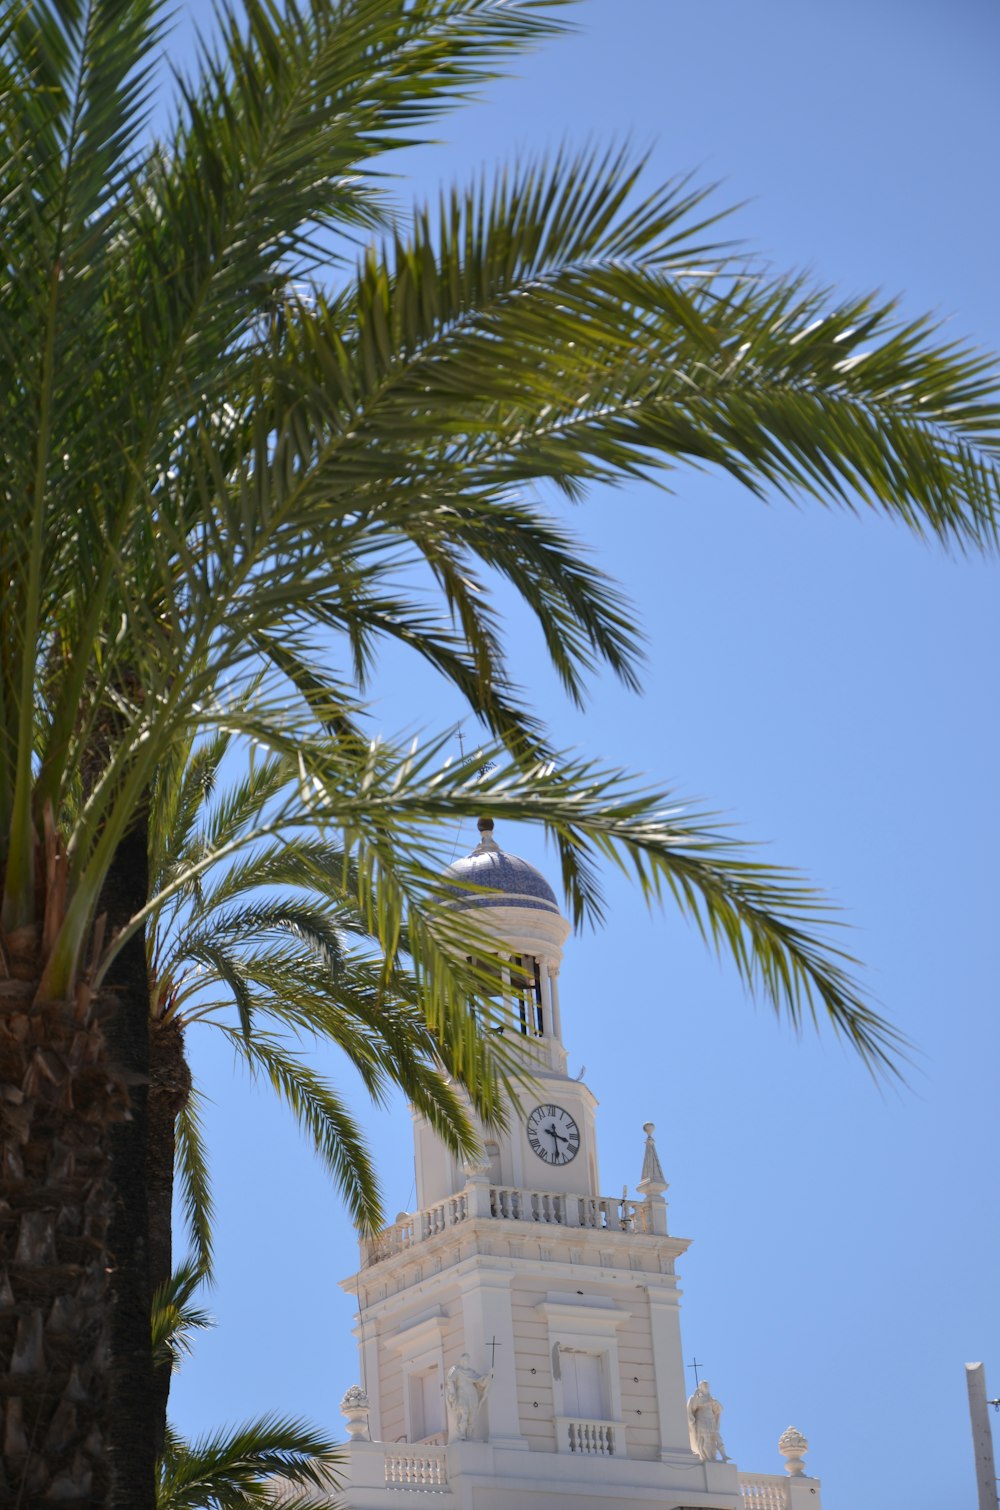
(486, 839)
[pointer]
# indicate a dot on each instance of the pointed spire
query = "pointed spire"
(652, 1182)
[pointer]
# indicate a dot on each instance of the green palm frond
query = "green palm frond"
(182, 788)
(194, 1184)
(251, 1467)
(392, 805)
(325, 1119)
(545, 328)
(175, 1319)
(777, 928)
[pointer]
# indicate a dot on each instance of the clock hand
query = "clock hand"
(551, 1130)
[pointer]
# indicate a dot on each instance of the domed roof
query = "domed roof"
(512, 881)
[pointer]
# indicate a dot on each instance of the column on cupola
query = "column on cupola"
(555, 1016)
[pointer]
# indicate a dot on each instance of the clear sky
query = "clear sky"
(830, 683)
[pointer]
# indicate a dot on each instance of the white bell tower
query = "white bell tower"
(519, 1332)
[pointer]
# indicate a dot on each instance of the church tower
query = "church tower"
(519, 1332)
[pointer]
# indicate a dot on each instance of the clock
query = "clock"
(553, 1135)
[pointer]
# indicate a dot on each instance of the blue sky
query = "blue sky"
(828, 682)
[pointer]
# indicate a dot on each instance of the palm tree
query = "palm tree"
(224, 448)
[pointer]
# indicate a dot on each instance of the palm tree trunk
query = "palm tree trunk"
(169, 1087)
(133, 1402)
(59, 1097)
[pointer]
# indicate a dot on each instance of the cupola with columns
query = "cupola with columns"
(552, 1145)
(519, 1332)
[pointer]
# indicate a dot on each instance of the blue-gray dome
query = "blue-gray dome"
(512, 882)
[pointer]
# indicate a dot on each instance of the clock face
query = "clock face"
(553, 1134)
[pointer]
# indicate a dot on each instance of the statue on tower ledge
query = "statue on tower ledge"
(704, 1413)
(464, 1393)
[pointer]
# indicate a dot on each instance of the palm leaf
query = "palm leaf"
(175, 1318)
(194, 1186)
(324, 1117)
(248, 1467)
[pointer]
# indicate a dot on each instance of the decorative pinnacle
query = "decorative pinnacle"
(354, 1407)
(793, 1447)
(653, 1181)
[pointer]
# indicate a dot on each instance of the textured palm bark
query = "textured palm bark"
(60, 1096)
(169, 1088)
(133, 1403)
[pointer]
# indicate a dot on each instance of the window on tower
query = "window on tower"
(426, 1404)
(488, 1000)
(526, 994)
(511, 994)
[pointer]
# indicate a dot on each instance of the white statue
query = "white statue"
(704, 1413)
(464, 1393)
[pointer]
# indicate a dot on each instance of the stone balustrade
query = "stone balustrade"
(420, 1470)
(424, 1468)
(592, 1438)
(764, 1491)
(505, 1203)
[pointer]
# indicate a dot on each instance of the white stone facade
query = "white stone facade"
(564, 1300)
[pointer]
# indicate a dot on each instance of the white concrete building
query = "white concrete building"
(519, 1332)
